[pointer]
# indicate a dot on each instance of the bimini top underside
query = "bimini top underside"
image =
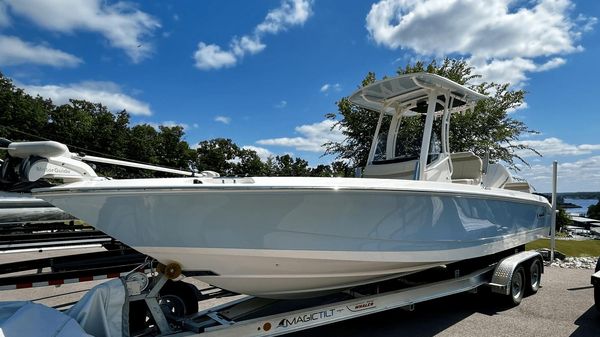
(391, 94)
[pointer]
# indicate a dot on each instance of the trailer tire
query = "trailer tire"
(517, 286)
(534, 276)
(139, 319)
(179, 298)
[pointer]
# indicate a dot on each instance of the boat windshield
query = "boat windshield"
(381, 147)
(409, 135)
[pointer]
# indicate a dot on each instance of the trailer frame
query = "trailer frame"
(252, 316)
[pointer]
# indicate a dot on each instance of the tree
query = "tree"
(487, 128)
(20, 114)
(217, 155)
(342, 169)
(562, 219)
(594, 211)
(228, 159)
(289, 167)
(92, 129)
(249, 164)
(321, 171)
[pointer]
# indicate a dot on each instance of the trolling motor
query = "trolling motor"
(31, 161)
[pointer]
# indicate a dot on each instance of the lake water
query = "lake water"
(583, 203)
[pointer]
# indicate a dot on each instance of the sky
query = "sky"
(264, 73)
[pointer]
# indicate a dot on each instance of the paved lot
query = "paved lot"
(562, 307)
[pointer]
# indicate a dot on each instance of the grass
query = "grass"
(569, 247)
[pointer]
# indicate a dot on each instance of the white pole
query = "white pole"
(427, 134)
(553, 229)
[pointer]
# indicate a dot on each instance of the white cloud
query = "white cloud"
(282, 104)
(15, 51)
(248, 44)
(552, 146)
(312, 138)
(522, 106)
(174, 123)
(500, 35)
(289, 13)
(212, 57)
(581, 175)
(107, 93)
(123, 25)
(326, 88)
(263, 153)
(553, 63)
(223, 119)
(4, 18)
(504, 70)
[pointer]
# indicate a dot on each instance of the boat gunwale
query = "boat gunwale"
(240, 188)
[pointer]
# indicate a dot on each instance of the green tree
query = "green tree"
(287, 166)
(487, 128)
(594, 211)
(217, 155)
(228, 159)
(20, 114)
(92, 129)
(321, 171)
(562, 219)
(249, 164)
(342, 169)
(172, 150)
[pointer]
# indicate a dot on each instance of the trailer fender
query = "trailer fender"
(505, 269)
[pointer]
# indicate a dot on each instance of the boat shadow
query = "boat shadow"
(588, 324)
(428, 319)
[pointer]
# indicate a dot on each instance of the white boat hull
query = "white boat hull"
(294, 237)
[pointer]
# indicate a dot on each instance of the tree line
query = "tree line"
(93, 129)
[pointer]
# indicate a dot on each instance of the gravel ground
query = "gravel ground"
(576, 262)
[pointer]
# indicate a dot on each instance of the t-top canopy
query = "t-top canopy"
(414, 88)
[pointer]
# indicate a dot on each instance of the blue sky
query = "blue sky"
(264, 73)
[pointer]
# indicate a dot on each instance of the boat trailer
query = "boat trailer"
(511, 277)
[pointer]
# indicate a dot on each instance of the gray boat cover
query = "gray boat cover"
(27, 319)
(99, 313)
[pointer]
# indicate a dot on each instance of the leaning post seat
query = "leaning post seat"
(391, 169)
(466, 168)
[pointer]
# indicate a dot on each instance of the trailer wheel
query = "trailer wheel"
(534, 276)
(139, 317)
(517, 286)
(178, 298)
